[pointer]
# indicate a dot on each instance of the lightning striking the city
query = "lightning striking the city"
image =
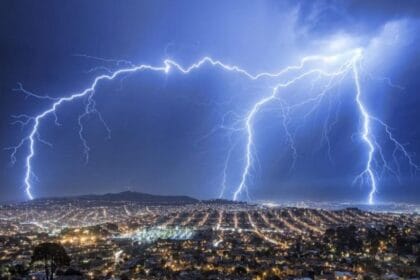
(331, 68)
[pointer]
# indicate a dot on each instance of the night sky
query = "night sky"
(160, 124)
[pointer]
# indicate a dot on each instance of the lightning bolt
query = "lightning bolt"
(90, 91)
(372, 145)
(350, 64)
(366, 135)
(225, 171)
(249, 120)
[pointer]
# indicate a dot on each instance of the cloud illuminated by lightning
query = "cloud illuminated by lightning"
(333, 68)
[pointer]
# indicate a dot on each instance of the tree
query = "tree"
(53, 255)
(18, 271)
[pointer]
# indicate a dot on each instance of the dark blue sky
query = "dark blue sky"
(158, 122)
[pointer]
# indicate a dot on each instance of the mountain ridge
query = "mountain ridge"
(130, 196)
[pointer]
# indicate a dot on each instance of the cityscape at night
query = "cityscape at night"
(215, 239)
(210, 139)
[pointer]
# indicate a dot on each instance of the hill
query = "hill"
(126, 196)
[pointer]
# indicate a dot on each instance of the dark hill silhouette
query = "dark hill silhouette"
(126, 196)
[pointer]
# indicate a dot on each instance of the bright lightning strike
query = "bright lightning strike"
(366, 134)
(249, 120)
(347, 62)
